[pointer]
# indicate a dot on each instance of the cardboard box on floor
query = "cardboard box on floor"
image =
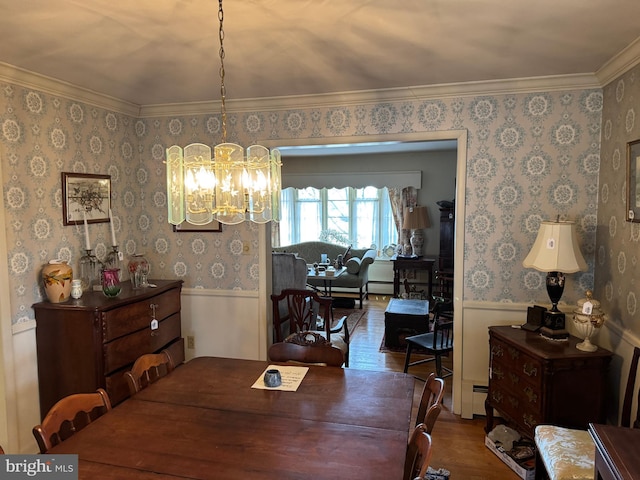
(525, 470)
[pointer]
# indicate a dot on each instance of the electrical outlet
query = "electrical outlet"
(246, 248)
(191, 342)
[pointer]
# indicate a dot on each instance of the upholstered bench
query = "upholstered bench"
(567, 454)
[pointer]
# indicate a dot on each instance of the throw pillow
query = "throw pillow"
(353, 265)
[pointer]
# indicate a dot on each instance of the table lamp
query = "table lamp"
(415, 219)
(556, 252)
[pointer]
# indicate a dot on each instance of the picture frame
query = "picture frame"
(88, 193)
(189, 228)
(633, 181)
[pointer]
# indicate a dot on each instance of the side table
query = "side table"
(414, 264)
(616, 452)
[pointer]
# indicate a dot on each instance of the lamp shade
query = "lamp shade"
(556, 249)
(415, 218)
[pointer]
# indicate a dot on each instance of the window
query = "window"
(350, 216)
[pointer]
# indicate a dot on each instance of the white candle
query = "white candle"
(113, 232)
(87, 243)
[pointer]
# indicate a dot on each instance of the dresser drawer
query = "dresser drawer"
(516, 365)
(116, 383)
(137, 316)
(126, 350)
(524, 408)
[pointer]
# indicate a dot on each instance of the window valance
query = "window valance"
(353, 179)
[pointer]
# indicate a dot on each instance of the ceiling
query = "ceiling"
(154, 52)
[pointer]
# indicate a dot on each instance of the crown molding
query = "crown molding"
(25, 78)
(624, 61)
(364, 97)
(52, 86)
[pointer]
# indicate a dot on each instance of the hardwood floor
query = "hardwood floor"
(458, 444)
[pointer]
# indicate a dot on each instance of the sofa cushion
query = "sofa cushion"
(353, 265)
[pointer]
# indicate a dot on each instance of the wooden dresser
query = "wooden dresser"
(534, 380)
(90, 342)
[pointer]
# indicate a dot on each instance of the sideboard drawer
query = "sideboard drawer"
(116, 383)
(125, 350)
(136, 316)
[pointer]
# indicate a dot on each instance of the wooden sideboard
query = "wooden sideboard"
(535, 380)
(91, 342)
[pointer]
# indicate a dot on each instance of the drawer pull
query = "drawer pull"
(531, 395)
(513, 353)
(497, 397)
(514, 378)
(529, 421)
(498, 373)
(530, 370)
(153, 307)
(497, 351)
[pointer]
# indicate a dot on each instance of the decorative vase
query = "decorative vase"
(588, 318)
(57, 276)
(111, 282)
(139, 270)
(76, 288)
(114, 260)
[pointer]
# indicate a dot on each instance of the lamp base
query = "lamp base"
(417, 241)
(554, 334)
(554, 325)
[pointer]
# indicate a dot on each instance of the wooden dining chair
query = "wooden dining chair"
(432, 394)
(305, 311)
(70, 415)
(437, 343)
(418, 455)
(432, 415)
(147, 369)
(309, 348)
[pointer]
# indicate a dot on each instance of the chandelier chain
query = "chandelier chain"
(223, 90)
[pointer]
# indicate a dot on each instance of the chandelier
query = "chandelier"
(228, 187)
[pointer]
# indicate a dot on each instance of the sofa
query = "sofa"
(357, 274)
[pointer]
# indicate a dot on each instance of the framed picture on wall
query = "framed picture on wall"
(633, 181)
(85, 194)
(209, 227)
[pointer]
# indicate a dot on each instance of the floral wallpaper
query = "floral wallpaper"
(531, 157)
(618, 240)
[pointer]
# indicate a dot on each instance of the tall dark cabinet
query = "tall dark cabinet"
(444, 272)
(447, 223)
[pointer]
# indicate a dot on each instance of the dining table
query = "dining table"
(207, 420)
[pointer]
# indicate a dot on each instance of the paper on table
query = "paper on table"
(291, 378)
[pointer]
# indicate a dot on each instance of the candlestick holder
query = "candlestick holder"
(88, 272)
